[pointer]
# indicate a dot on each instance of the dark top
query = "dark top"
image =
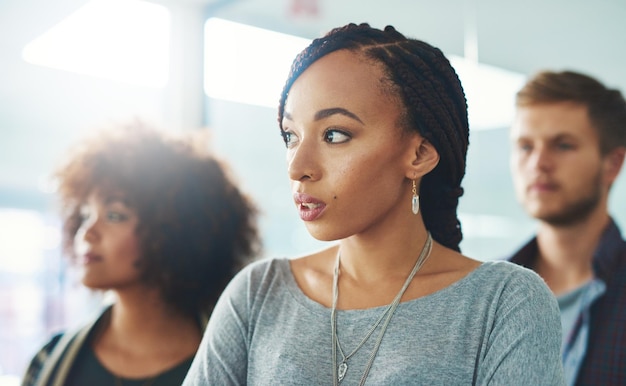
(87, 370)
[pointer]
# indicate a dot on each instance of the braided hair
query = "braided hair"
(434, 104)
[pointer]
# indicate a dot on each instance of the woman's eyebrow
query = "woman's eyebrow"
(327, 113)
(336, 110)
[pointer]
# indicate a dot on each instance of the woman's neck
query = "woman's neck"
(144, 336)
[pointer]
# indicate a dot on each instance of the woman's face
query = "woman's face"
(106, 243)
(348, 158)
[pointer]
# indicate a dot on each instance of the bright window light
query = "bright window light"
(122, 40)
(246, 64)
(490, 93)
(250, 65)
(24, 237)
(490, 226)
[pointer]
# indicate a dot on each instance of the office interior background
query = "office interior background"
(69, 66)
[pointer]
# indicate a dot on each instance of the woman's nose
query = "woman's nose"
(89, 228)
(302, 162)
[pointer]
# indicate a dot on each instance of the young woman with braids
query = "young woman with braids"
(156, 219)
(376, 130)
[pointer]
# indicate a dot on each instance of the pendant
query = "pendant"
(341, 371)
(415, 204)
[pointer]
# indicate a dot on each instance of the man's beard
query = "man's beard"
(579, 210)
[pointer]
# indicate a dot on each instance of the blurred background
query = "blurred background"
(69, 66)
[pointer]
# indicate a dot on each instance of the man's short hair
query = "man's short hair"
(606, 107)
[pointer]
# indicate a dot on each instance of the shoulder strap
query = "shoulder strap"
(64, 354)
(204, 320)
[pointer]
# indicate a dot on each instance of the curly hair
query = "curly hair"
(606, 107)
(434, 106)
(196, 229)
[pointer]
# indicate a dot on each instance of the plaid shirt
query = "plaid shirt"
(604, 360)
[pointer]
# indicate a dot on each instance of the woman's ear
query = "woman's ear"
(424, 158)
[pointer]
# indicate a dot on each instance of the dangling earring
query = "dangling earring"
(415, 201)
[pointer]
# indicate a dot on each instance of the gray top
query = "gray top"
(499, 325)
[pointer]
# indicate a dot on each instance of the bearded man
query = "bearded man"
(569, 143)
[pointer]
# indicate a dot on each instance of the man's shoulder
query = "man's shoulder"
(524, 255)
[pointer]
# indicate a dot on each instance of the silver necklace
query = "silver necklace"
(339, 372)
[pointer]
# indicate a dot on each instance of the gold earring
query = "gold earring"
(415, 201)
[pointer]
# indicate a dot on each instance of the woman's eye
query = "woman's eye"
(336, 136)
(288, 137)
(116, 216)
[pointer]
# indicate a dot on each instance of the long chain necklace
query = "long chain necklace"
(339, 372)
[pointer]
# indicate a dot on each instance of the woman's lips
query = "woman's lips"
(89, 258)
(309, 207)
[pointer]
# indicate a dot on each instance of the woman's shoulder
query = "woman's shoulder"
(259, 273)
(278, 277)
(57, 348)
(265, 266)
(57, 344)
(497, 279)
(514, 282)
(501, 293)
(511, 272)
(39, 359)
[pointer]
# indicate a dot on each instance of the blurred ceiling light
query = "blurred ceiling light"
(246, 64)
(122, 40)
(249, 65)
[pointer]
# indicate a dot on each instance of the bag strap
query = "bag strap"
(69, 344)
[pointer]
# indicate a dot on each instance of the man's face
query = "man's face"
(559, 172)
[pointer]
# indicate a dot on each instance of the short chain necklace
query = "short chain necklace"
(339, 372)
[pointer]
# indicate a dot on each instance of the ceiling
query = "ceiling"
(519, 36)
(42, 110)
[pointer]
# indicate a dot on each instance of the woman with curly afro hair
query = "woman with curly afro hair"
(156, 219)
(376, 134)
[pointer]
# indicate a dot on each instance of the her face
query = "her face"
(106, 243)
(348, 158)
